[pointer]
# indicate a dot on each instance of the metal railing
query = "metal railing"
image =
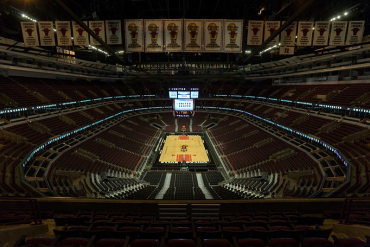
(19, 211)
(356, 211)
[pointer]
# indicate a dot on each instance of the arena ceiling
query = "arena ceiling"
(144, 9)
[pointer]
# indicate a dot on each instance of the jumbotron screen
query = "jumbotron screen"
(183, 93)
(184, 104)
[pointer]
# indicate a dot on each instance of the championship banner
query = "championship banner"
(305, 31)
(338, 33)
(153, 35)
(321, 33)
(99, 29)
(255, 33)
(286, 50)
(270, 29)
(288, 34)
(113, 30)
(193, 35)
(80, 36)
(46, 31)
(173, 35)
(355, 32)
(233, 35)
(64, 33)
(213, 36)
(134, 40)
(29, 31)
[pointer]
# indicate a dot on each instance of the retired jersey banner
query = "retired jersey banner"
(173, 35)
(153, 35)
(213, 35)
(288, 34)
(270, 28)
(338, 33)
(134, 35)
(355, 32)
(233, 35)
(29, 31)
(64, 33)
(80, 36)
(46, 31)
(255, 33)
(305, 31)
(99, 29)
(114, 32)
(321, 33)
(286, 50)
(193, 35)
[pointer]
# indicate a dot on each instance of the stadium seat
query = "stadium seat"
(145, 243)
(181, 243)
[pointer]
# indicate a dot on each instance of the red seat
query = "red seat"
(180, 232)
(129, 229)
(104, 228)
(181, 243)
(231, 229)
(216, 243)
(284, 242)
(256, 228)
(251, 242)
(79, 228)
(154, 229)
(74, 242)
(145, 243)
(109, 242)
(350, 242)
(40, 241)
(274, 228)
(316, 242)
(206, 229)
(304, 227)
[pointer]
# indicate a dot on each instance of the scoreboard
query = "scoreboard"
(183, 101)
(183, 93)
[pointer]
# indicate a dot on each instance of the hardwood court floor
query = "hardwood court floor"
(195, 151)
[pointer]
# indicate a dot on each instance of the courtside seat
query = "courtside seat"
(181, 243)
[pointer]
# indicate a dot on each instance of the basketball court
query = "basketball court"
(176, 148)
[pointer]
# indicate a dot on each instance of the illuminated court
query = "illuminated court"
(178, 147)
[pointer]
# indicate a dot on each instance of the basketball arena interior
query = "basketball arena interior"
(184, 123)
